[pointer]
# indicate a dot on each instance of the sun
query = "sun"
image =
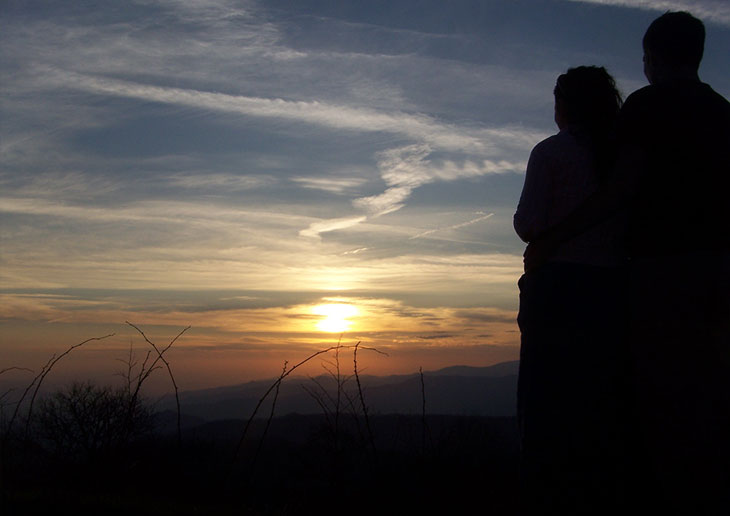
(335, 317)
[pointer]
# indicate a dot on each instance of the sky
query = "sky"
(282, 175)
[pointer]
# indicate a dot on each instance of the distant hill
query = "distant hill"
(456, 390)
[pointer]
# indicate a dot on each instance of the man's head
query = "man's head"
(674, 42)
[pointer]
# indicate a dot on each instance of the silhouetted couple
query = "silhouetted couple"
(624, 386)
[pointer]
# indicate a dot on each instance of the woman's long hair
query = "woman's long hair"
(590, 100)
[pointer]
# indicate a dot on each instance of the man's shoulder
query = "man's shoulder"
(674, 103)
(717, 101)
(645, 100)
(638, 105)
(642, 93)
(640, 96)
(698, 92)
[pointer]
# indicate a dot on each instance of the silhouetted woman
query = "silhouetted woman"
(570, 392)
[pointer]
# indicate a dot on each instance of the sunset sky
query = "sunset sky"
(280, 173)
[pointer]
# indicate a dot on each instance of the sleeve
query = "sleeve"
(530, 219)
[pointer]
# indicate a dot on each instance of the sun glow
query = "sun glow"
(336, 317)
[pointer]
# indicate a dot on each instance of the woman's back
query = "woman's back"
(561, 174)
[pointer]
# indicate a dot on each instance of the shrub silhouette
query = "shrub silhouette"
(90, 422)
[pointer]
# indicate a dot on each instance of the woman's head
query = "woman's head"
(587, 96)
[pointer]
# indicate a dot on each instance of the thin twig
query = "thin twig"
(273, 386)
(423, 411)
(22, 398)
(169, 370)
(362, 400)
(271, 416)
(321, 397)
(2, 397)
(44, 372)
(261, 400)
(371, 349)
(340, 385)
(131, 363)
(14, 368)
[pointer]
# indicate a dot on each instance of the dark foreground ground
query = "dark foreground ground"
(302, 465)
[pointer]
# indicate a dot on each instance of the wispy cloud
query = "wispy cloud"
(227, 182)
(406, 168)
(316, 228)
(403, 170)
(356, 251)
(330, 184)
(717, 11)
(416, 126)
(177, 212)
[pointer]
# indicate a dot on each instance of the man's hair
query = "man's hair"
(676, 39)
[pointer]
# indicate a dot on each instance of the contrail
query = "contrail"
(455, 226)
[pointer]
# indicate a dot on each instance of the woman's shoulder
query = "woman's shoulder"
(557, 145)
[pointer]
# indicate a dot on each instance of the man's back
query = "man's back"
(679, 301)
(682, 129)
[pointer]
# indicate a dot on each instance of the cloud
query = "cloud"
(316, 228)
(387, 202)
(487, 315)
(329, 184)
(356, 251)
(717, 11)
(406, 168)
(71, 184)
(229, 182)
(416, 126)
(437, 336)
(403, 170)
(149, 211)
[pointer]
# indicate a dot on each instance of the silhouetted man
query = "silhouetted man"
(674, 140)
(672, 177)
